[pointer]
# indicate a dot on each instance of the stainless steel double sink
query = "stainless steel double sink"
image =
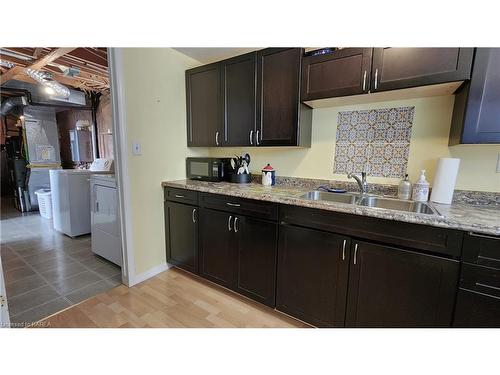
(367, 200)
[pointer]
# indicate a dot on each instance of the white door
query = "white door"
(4, 311)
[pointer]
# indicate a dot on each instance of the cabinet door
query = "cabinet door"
(341, 73)
(278, 79)
(256, 258)
(181, 228)
(389, 287)
(239, 89)
(482, 106)
(204, 120)
(397, 68)
(217, 247)
(312, 275)
(476, 310)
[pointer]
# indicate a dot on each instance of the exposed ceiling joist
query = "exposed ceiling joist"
(48, 58)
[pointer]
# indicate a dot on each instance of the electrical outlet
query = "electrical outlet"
(498, 163)
(136, 148)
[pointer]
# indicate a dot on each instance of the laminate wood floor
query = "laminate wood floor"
(174, 298)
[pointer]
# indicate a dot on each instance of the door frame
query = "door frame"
(4, 307)
(120, 145)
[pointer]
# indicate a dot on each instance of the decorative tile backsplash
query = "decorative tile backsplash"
(376, 141)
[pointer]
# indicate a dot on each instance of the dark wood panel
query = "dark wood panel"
(416, 236)
(341, 73)
(482, 250)
(476, 111)
(240, 206)
(217, 247)
(397, 68)
(204, 104)
(239, 84)
(312, 275)
(257, 241)
(389, 287)
(476, 310)
(281, 122)
(181, 228)
(181, 195)
(480, 279)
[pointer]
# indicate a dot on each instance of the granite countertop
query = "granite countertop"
(467, 217)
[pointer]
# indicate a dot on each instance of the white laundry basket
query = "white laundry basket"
(44, 203)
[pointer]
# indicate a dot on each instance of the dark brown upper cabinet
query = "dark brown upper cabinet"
(282, 119)
(239, 88)
(398, 68)
(248, 100)
(204, 106)
(341, 73)
(476, 114)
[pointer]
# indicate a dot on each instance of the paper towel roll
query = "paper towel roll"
(444, 180)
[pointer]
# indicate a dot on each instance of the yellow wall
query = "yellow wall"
(429, 141)
(156, 117)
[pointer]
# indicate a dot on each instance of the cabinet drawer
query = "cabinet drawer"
(240, 206)
(480, 279)
(482, 249)
(181, 195)
(415, 236)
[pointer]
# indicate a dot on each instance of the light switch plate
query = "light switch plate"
(136, 148)
(498, 163)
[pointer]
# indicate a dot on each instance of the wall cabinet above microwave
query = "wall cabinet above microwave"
(248, 100)
(353, 71)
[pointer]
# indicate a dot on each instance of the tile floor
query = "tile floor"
(46, 271)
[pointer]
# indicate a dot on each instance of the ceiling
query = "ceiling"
(207, 55)
(89, 66)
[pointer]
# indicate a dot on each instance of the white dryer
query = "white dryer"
(70, 190)
(105, 218)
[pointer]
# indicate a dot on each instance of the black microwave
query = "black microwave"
(208, 169)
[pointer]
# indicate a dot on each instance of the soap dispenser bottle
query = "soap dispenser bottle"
(421, 188)
(404, 188)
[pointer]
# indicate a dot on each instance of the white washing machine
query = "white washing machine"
(105, 218)
(70, 190)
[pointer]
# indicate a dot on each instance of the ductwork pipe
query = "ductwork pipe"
(10, 103)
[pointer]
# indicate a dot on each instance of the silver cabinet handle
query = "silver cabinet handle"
(233, 204)
(179, 196)
(229, 223)
(376, 76)
(235, 226)
(257, 137)
(364, 81)
(343, 249)
(194, 215)
(217, 138)
(355, 252)
(251, 137)
(97, 206)
(472, 234)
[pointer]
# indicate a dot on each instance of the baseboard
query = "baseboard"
(149, 273)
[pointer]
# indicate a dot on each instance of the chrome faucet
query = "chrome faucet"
(363, 185)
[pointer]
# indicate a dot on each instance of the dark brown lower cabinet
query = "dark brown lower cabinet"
(181, 222)
(239, 253)
(477, 310)
(217, 247)
(390, 287)
(312, 275)
(256, 258)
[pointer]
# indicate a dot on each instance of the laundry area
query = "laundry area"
(60, 231)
